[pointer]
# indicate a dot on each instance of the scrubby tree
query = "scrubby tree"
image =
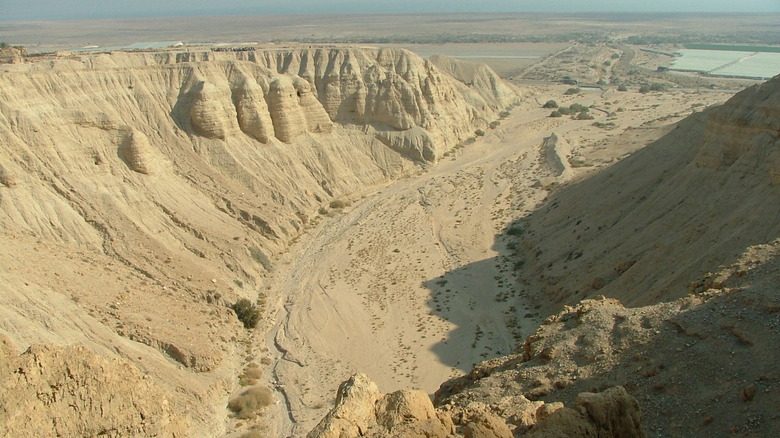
(550, 104)
(247, 313)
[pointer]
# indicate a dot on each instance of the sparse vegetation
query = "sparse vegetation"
(550, 104)
(247, 313)
(479, 132)
(251, 374)
(247, 405)
(339, 203)
(556, 114)
(515, 230)
(584, 115)
(622, 87)
(571, 91)
(655, 86)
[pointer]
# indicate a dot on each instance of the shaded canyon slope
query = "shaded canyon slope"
(661, 274)
(143, 193)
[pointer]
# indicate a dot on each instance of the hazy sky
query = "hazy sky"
(74, 9)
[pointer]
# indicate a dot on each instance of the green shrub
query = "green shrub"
(247, 313)
(494, 124)
(515, 230)
(622, 88)
(550, 104)
(584, 115)
(571, 91)
(479, 132)
(644, 89)
(655, 86)
(339, 203)
(556, 114)
(247, 404)
(576, 107)
(504, 114)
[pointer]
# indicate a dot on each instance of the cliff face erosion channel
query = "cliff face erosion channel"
(406, 226)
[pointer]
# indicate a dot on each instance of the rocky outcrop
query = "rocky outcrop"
(288, 118)
(354, 412)
(611, 413)
(135, 150)
(8, 178)
(254, 118)
(744, 132)
(361, 410)
(209, 114)
(665, 358)
(390, 90)
(69, 391)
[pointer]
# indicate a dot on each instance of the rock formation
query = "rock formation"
(254, 118)
(162, 184)
(70, 391)
(134, 148)
(211, 117)
(361, 410)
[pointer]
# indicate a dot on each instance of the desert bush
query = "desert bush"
(622, 88)
(247, 313)
(577, 107)
(644, 89)
(323, 211)
(247, 404)
(555, 114)
(571, 91)
(479, 132)
(550, 104)
(251, 374)
(655, 86)
(338, 203)
(504, 114)
(515, 230)
(584, 115)
(494, 124)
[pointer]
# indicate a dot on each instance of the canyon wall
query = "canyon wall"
(143, 193)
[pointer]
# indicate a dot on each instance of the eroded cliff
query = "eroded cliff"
(142, 194)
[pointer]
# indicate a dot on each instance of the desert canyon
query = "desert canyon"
(429, 252)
